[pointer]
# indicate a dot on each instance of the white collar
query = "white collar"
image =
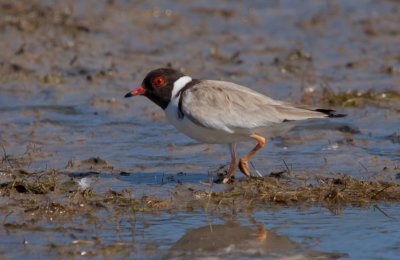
(179, 84)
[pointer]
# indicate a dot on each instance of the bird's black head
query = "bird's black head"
(157, 86)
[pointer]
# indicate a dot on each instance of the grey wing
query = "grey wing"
(227, 106)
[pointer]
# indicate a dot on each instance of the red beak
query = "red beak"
(137, 91)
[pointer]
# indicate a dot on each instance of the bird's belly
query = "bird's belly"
(202, 134)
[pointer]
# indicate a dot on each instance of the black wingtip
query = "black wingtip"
(128, 95)
(330, 112)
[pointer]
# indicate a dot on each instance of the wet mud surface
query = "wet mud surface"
(85, 172)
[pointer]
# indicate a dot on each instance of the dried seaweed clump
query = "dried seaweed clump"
(340, 191)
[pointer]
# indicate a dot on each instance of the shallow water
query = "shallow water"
(62, 82)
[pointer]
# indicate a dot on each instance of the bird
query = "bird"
(222, 112)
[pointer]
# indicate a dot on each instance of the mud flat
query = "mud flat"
(85, 172)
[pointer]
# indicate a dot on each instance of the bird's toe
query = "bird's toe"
(244, 167)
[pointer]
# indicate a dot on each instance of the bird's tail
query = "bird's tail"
(329, 112)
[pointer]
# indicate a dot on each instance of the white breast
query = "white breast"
(187, 127)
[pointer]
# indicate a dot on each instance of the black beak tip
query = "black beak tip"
(128, 95)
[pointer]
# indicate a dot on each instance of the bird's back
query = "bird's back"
(219, 104)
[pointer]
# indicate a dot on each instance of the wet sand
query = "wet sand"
(86, 172)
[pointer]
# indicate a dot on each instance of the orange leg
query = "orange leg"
(232, 166)
(243, 164)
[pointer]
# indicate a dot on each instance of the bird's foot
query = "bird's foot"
(244, 167)
(227, 179)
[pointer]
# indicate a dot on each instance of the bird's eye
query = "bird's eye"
(159, 81)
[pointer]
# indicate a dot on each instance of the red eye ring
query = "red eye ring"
(158, 81)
